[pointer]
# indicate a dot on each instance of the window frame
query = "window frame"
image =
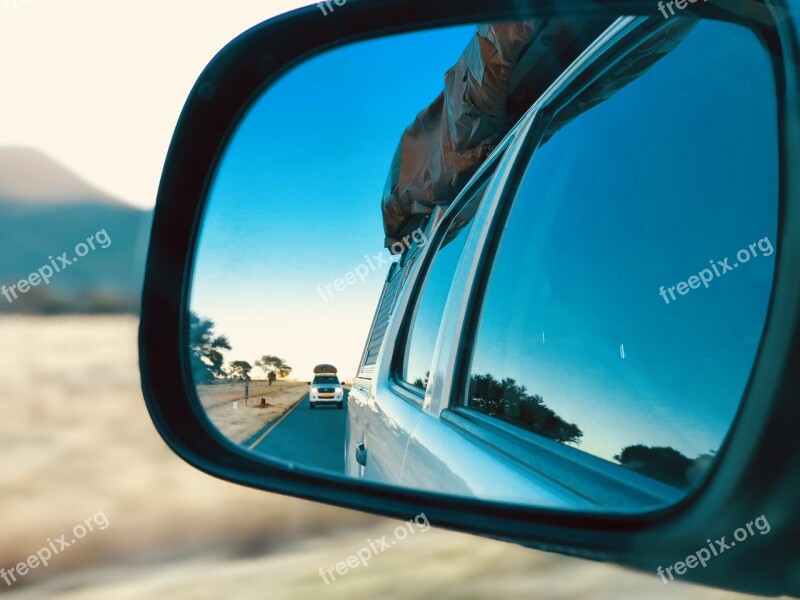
(399, 351)
(494, 434)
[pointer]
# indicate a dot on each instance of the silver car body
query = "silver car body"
(426, 444)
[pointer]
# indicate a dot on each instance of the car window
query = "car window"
(629, 288)
(431, 302)
(326, 379)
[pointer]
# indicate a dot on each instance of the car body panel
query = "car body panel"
(413, 439)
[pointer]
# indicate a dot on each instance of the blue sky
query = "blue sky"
(676, 169)
(296, 201)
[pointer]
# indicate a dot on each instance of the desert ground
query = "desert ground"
(75, 439)
(225, 405)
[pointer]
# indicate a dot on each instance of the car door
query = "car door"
(356, 454)
(406, 443)
(388, 395)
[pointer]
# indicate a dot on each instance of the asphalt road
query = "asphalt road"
(311, 438)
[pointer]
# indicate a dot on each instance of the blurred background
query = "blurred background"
(92, 91)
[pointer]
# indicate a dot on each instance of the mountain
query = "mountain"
(30, 177)
(47, 211)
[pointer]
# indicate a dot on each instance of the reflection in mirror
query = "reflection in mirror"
(375, 296)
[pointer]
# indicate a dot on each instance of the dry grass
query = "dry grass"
(76, 439)
(242, 422)
(435, 564)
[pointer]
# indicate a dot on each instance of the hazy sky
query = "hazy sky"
(99, 84)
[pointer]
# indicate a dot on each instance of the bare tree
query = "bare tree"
(273, 364)
(240, 369)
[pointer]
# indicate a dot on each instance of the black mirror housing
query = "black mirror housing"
(753, 476)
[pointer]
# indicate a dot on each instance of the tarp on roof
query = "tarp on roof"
(449, 140)
(503, 70)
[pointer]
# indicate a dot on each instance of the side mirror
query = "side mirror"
(508, 234)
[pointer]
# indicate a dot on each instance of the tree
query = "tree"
(422, 383)
(511, 402)
(273, 364)
(659, 462)
(205, 349)
(240, 369)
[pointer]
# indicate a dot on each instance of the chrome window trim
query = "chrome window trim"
(600, 482)
(395, 336)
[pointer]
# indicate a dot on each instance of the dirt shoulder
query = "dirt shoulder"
(241, 423)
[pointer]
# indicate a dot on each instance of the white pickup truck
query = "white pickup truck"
(326, 388)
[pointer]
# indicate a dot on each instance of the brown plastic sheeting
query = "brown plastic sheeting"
(450, 139)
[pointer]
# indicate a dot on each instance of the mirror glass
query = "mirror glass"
(410, 274)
